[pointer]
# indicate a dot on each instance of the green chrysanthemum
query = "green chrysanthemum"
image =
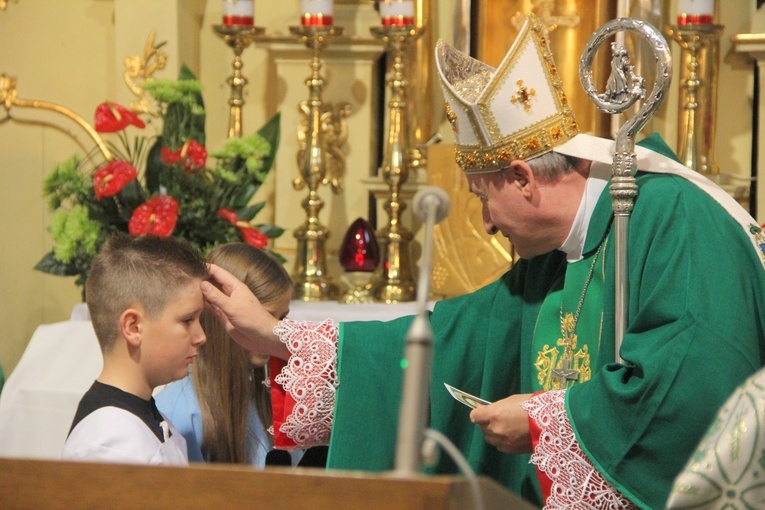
(252, 149)
(74, 234)
(228, 176)
(169, 91)
(66, 182)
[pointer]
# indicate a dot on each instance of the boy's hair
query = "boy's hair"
(225, 381)
(130, 271)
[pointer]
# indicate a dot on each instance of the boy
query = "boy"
(144, 300)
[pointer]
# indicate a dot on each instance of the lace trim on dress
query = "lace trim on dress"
(310, 378)
(576, 484)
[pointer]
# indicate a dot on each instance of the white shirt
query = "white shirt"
(111, 434)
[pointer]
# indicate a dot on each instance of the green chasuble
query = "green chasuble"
(696, 331)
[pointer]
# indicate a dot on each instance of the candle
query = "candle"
(695, 12)
(316, 13)
(238, 12)
(398, 13)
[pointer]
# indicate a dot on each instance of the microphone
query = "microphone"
(278, 458)
(431, 205)
(429, 198)
(314, 457)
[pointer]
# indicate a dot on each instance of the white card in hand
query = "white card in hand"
(466, 398)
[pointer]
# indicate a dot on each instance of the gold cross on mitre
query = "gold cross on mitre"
(524, 95)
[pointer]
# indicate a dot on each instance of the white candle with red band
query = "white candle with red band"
(238, 12)
(695, 12)
(398, 13)
(316, 13)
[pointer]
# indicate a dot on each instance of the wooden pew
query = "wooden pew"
(53, 485)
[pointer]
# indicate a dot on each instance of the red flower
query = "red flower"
(228, 215)
(250, 235)
(192, 155)
(253, 237)
(158, 215)
(112, 177)
(111, 117)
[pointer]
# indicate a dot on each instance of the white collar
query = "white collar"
(573, 246)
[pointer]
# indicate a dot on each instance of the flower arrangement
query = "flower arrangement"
(176, 193)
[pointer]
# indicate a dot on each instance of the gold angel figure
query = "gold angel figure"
(139, 70)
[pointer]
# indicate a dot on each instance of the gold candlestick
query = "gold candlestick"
(238, 38)
(320, 161)
(698, 95)
(394, 281)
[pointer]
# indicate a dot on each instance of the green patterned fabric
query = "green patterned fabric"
(696, 331)
(726, 470)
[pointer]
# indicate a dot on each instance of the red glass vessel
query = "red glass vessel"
(359, 251)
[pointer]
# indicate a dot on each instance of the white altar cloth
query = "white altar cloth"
(62, 360)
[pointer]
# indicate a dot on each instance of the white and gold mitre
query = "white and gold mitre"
(516, 111)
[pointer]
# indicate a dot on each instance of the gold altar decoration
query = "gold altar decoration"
(238, 38)
(9, 98)
(700, 48)
(320, 162)
(4, 4)
(139, 70)
(394, 279)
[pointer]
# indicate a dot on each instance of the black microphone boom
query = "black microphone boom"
(278, 458)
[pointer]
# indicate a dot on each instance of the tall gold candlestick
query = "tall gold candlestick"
(238, 38)
(698, 95)
(394, 281)
(320, 162)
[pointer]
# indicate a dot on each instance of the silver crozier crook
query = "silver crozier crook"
(623, 89)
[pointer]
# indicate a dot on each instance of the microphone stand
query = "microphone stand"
(429, 204)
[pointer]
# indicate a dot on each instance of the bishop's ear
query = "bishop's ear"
(130, 326)
(522, 176)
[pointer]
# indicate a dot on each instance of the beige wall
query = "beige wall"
(71, 53)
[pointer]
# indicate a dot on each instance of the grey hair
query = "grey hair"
(552, 165)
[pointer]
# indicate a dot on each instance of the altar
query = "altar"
(63, 359)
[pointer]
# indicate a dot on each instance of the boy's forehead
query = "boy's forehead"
(189, 290)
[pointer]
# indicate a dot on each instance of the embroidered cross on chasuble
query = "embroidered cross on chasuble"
(569, 326)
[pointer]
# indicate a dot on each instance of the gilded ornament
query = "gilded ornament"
(4, 4)
(523, 95)
(451, 117)
(544, 11)
(7, 90)
(139, 70)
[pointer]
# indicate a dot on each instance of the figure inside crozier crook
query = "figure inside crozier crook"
(567, 424)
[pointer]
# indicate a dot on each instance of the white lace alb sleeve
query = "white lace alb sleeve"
(575, 481)
(310, 379)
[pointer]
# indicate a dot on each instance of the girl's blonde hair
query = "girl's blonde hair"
(226, 382)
